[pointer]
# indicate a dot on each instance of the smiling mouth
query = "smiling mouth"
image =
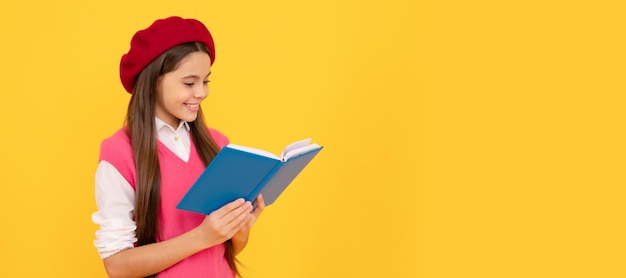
(192, 106)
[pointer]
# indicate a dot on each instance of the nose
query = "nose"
(201, 92)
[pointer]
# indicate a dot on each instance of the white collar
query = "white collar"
(161, 124)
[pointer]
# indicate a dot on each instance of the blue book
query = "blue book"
(244, 172)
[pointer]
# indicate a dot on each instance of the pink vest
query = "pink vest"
(176, 178)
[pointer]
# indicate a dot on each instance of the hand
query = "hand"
(244, 232)
(223, 223)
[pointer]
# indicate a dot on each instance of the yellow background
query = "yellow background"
(463, 138)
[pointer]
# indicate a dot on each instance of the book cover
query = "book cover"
(239, 172)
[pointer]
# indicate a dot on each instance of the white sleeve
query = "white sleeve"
(115, 199)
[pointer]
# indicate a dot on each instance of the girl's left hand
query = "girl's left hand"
(244, 232)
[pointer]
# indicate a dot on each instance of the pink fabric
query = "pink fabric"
(177, 176)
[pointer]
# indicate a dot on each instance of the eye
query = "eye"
(189, 84)
(206, 82)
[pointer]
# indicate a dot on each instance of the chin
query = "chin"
(189, 119)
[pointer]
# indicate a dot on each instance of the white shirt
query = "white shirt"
(115, 197)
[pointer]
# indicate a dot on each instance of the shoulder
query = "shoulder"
(220, 139)
(118, 151)
(116, 143)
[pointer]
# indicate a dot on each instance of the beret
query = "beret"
(147, 44)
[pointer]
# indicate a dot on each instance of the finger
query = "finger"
(239, 221)
(260, 201)
(227, 208)
(236, 213)
(260, 206)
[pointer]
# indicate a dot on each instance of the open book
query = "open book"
(245, 172)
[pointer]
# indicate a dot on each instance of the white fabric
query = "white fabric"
(115, 197)
(176, 140)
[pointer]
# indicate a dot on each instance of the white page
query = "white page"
(295, 145)
(253, 150)
(300, 150)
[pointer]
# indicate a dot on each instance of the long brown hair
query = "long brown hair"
(141, 128)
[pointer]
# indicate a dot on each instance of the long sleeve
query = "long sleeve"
(115, 199)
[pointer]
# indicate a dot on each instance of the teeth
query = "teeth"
(192, 105)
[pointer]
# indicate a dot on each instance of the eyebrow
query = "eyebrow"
(195, 76)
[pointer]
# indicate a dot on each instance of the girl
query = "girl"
(147, 166)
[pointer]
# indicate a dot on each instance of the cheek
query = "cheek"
(169, 94)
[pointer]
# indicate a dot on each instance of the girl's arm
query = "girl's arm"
(240, 239)
(216, 228)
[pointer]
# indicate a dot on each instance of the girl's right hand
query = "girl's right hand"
(223, 223)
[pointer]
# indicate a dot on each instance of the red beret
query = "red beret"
(162, 35)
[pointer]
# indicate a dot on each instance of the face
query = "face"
(180, 92)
